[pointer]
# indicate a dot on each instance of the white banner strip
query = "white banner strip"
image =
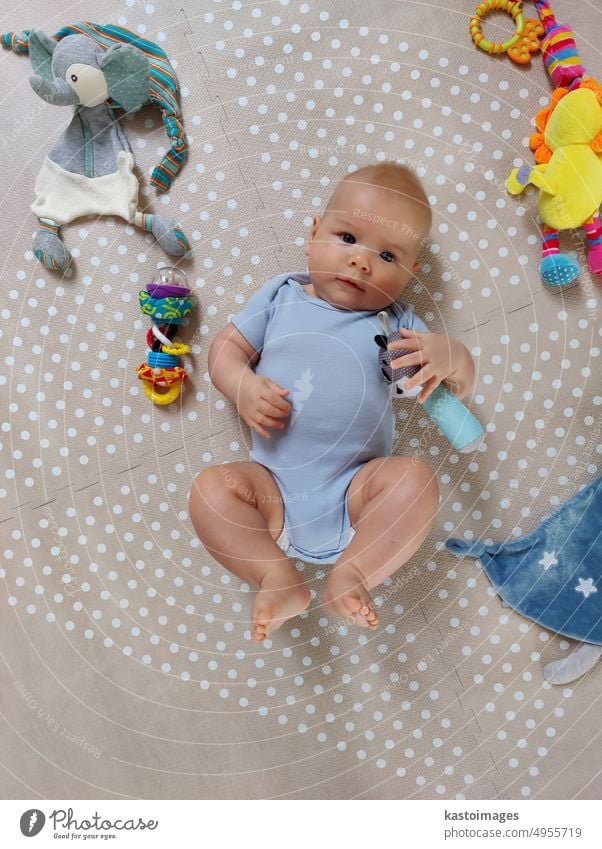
(260, 824)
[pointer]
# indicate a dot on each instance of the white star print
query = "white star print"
(548, 559)
(586, 587)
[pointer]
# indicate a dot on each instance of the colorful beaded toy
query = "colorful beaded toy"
(167, 301)
(520, 45)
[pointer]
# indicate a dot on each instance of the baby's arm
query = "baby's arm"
(461, 380)
(230, 360)
(259, 401)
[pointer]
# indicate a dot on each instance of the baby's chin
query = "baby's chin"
(348, 298)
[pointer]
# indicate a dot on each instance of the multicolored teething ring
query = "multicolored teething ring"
(161, 375)
(520, 45)
(162, 385)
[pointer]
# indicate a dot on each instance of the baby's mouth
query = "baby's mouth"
(349, 283)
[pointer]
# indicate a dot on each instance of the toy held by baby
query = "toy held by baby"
(457, 424)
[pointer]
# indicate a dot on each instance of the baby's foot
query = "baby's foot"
(281, 596)
(346, 595)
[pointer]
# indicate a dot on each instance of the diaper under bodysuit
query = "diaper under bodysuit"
(342, 413)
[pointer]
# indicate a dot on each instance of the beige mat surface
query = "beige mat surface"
(127, 668)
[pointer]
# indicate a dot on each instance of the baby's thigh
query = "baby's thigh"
(255, 485)
(393, 475)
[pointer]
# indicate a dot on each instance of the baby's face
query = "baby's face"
(372, 237)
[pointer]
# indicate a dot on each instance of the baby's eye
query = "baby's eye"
(387, 256)
(351, 236)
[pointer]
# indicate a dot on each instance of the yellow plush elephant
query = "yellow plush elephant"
(568, 153)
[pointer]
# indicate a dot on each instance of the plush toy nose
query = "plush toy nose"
(56, 92)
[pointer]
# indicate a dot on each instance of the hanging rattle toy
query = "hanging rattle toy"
(568, 156)
(167, 301)
(457, 424)
(520, 45)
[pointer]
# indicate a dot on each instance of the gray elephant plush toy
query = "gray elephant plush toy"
(89, 171)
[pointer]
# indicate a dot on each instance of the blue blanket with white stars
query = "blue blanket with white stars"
(553, 575)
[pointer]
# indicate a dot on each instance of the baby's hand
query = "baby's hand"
(261, 402)
(433, 352)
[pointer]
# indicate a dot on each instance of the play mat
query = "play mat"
(126, 660)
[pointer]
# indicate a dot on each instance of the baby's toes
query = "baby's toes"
(372, 615)
(259, 632)
(367, 616)
(351, 603)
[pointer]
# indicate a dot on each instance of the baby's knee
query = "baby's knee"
(418, 476)
(208, 486)
(422, 474)
(409, 469)
(425, 484)
(210, 499)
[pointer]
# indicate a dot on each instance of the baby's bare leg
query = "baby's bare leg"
(392, 502)
(237, 512)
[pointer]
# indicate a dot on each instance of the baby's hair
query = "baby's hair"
(393, 176)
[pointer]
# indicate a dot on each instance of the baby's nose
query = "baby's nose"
(361, 260)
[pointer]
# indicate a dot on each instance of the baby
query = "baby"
(300, 363)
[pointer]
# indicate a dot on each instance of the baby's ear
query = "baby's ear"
(315, 226)
(381, 341)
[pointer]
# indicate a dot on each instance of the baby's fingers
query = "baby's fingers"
(256, 426)
(268, 421)
(414, 359)
(275, 387)
(269, 409)
(428, 389)
(420, 377)
(275, 398)
(282, 407)
(411, 344)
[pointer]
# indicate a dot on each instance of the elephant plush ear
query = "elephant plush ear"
(41, 48)
(127, 73)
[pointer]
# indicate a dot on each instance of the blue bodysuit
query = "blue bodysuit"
(342, 414)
